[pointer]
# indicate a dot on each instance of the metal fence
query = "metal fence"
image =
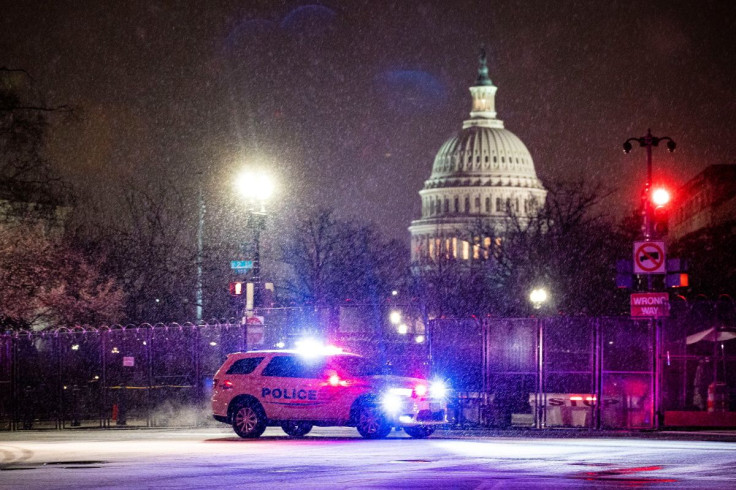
(592, 372)
(568, 372)
(161, 375)
(528, 372)
(136, 376)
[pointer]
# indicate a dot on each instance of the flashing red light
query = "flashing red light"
(227, 385)
(420, 390)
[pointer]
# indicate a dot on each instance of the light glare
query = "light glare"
(437, 389)
(395, 317)
(254, 186)
(660, 196)
(538, 296)
(391, 403)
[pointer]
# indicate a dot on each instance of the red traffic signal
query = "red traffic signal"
(236, 288)
(660, 196)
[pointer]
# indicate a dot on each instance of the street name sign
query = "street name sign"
(650, 305)
(649, 258)
(241, 266)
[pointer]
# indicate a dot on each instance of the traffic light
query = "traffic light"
(660, 199)
(624, 274)
(677, 276)
(236, 288)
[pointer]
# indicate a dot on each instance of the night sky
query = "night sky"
(348, 102)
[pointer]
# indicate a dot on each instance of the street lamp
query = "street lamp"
(538, 297)
(648, 141)
(256, 187)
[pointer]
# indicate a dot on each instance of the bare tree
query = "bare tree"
(333, 260)
(151, 249)
(570, 247)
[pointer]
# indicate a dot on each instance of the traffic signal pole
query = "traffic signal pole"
(648, 141)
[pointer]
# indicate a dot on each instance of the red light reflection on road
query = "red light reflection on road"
(621, 475)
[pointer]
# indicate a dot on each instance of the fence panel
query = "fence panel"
(82, 391)
(568, 391)
(175, 389)
(6, 382)
(627, 385)
(510, 371)
(37, 389)
(126, 357)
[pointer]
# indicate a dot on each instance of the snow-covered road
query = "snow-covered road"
(338, 458)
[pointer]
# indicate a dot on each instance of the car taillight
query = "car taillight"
(227, 385)
(419, 391)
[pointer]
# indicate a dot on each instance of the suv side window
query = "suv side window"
(294, 367)
(245, 365)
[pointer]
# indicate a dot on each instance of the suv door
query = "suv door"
(290, 388)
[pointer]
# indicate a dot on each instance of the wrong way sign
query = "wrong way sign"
(650, 305)
(649, 258)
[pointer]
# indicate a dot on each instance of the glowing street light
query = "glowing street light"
(538, 297)
(256, 187)
(395, 317)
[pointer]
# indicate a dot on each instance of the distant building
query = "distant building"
(707, 200)
(25, 213)
(481, 176)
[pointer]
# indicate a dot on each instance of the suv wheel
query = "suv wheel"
(249, 419)
(420, 432)
(296, 429)
(372, 423)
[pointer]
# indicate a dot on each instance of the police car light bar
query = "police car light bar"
(312, 348)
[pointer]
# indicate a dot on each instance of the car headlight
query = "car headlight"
(437, 389)
(391, 403)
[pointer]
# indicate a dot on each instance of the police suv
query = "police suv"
(298, 389)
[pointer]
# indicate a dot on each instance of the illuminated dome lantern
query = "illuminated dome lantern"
(481, 177)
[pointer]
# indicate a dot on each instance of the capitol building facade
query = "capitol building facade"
(482, 180)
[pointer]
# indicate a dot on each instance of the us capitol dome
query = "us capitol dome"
(482, 177)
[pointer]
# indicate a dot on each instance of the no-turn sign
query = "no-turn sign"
(649, 258)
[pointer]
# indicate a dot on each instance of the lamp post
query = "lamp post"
(256, 188)
(200, 231)
(648, 141)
